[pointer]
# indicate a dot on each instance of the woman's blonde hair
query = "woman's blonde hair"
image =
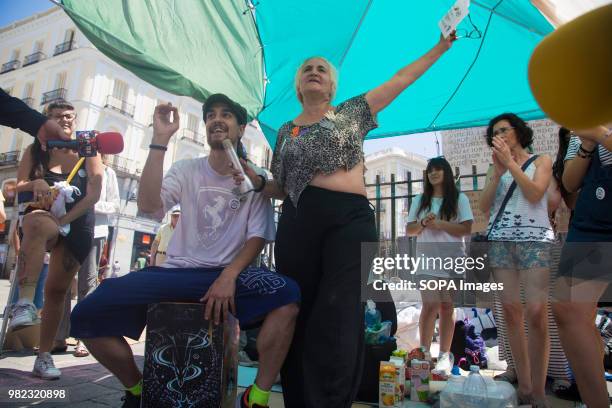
(333, 75)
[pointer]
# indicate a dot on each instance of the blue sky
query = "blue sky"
(423, 144)
(13, 10)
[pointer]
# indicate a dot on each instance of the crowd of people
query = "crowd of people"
(311, 310)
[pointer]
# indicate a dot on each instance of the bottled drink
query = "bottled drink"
(474, 389)
(372, 315)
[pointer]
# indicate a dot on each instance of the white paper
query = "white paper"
(454, 16)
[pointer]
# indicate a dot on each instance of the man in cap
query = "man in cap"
(160, 243)
(208, 257)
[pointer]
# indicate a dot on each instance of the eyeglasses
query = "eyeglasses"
(502, 130)
(66, 116)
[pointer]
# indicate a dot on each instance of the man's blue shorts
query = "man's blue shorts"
(118, 307)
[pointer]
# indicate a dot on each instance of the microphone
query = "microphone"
(89, 142)
(246, 185)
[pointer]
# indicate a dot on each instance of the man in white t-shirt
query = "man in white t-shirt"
(217, 237)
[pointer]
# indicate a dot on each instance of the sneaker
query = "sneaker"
(130, 400)
(243, 400)
(245, 360)
(23, 314)
(444, 363)
(44, 367)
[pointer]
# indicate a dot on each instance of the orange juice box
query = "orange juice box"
(400, 371)
(387, 380)
(419, 380)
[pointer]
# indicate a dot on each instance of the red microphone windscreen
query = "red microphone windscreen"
(109, 142)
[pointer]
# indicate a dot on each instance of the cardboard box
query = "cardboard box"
(189, 362)
(387, 381)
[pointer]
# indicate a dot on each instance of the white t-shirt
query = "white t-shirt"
(452, 246)
(215, 224)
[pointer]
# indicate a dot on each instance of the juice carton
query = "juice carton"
(400, 371)
(387, 380)
(419, 380)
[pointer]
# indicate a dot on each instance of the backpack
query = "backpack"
(467, 347)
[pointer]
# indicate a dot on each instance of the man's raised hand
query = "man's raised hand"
(165, 123)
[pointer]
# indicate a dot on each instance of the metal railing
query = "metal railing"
(54, 95)
(28, 101)
(10, 66)
(33, 58)
(407, 185)
(122, 165)
(9, 158)
(63, 47)
(120, 106)
(193, 136)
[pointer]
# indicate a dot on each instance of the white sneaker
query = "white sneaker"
(44, 367)
(23, 314)
(444, 363)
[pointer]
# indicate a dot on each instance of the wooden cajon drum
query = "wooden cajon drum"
(189, 362)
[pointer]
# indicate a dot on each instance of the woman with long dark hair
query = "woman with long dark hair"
(520, 249)
(440, 218)
(38, 172)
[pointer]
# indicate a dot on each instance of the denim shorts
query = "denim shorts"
(520, 255)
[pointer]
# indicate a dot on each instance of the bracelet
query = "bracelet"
(263, 184)
(585, 150)
(158, 147)
(583, 153)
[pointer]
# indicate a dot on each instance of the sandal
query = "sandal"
(80, 350)
(508, 376)
(524, 399)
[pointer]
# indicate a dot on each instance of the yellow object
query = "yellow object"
(75, 169)
(570, 71)
(387, 379)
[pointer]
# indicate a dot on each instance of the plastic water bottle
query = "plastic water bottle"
(451, 395)
(474, 389)
(372, 315)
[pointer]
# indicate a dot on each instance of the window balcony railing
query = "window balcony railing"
(54, 95)
(122, 165)
(10, 66)
(63, 47)
(9, 158)
(33, 58)
(120, 106)
(28, 101)
(193, 137)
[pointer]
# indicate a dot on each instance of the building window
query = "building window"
(68, 43)
(59, 92)
(27, 94)
(36, 54)
(118, 100)
(12, 64)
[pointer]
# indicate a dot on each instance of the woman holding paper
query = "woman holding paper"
(318, 171)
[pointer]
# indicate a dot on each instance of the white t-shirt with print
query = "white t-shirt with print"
(452, 246)
(215, 224)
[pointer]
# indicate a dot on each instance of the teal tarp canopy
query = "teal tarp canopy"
(198, 47)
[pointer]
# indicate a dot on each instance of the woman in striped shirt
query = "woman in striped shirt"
(586, 260)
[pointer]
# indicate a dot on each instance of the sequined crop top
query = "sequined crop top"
(336, 141)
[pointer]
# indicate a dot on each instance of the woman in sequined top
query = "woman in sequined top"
(318, 171)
